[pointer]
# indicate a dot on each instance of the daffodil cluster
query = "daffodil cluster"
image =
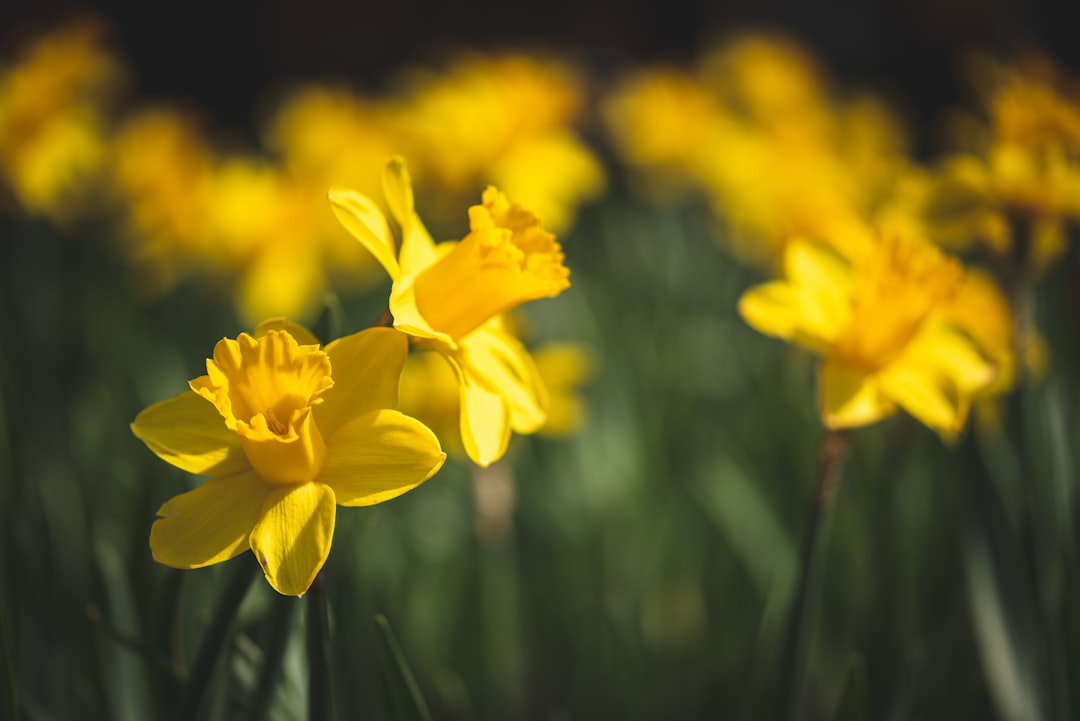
(189, 206)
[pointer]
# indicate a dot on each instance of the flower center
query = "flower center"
(898, 285)
(265, 389)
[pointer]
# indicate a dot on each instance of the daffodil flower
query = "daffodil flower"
(451, 296)
(880, 324)
(288, 430)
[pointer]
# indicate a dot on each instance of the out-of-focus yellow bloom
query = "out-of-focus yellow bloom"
(758, 132)
(1015, 192)
(507, 120)
(53, 108)
(565, 367)
(880, 323)
(261, 228)
(451, 297)
(160, 164)
(288, 431)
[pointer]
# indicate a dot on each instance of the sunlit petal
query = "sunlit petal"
(209, 524)
(366, 368)
(379, 456)
(292, 536)
(188, 432)
(504, 365)
(362, 218)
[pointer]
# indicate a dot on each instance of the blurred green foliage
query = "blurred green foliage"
(647, 565)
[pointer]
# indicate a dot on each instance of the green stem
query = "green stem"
(213, 641)
(280, 626)
(318, 632)
(835, 447)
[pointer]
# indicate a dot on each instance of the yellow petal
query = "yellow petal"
(379, 456)
(301, 334)
(952, 352)
(188, 432)
(363, 219)
(501, 362)
(812, 265)
(849, 397)
(485, 418)
(366, 367)
(417, 247)
(927, 394)
(209, 524)
(407, 315)
(786, 311)
(292, 536)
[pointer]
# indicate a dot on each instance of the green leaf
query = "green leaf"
(405, 697)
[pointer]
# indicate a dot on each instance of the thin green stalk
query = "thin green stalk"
(832, 456)
(318, 633)
(280, 627)
(213, 641)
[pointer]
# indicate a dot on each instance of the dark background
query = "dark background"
(222, 56)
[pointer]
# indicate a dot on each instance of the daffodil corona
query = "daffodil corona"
(451, 296)
(288, 430)
(881, 326)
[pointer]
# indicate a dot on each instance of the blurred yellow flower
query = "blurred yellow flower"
(505, 119)
(451, 297)
(1014, 191)
(880, 323)
(757, 131)
(288, 431)
(53, 112)
(262, 228)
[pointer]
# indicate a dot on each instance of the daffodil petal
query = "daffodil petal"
(362, 218)
(785, 311)
(812, 265)
(379, 456)
(407, 316)
(417, 247)
(849, 397)
(366, 367)
(502, 362)
(188, 432)
(210, 523)
(928, 394)
(949, 350)
(292, 536)
(397, 188)
(485, 417)
(301, 334)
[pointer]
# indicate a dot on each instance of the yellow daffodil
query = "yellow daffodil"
(288, 430)
(879, 323)
(451, 296)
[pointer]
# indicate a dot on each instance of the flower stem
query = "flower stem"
(832, 456)
(279, 627)
(318, 632)
(213, 641)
